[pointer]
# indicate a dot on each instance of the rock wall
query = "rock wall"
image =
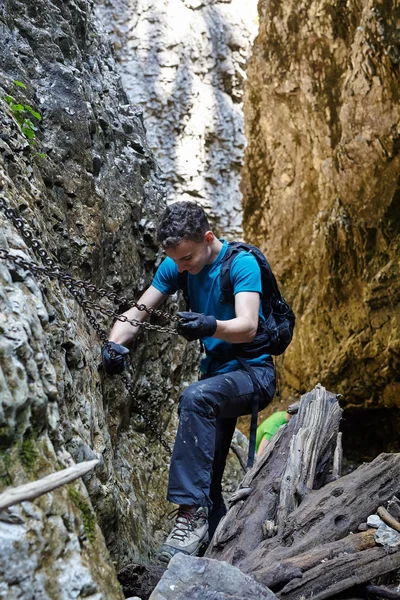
(183, 62)
(321, 188)
(84, 179)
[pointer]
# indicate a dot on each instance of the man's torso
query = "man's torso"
(205, 296)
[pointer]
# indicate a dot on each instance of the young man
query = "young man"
(209, 408)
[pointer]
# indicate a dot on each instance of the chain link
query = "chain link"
(73, 285)
(56, 273)
(147, 420)
(78, 288)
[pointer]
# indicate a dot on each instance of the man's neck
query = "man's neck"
(215, 248)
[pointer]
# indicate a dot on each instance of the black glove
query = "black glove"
(196, 326)
(114, 364)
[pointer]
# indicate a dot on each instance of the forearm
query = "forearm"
(262, 446)
(236, 331)
(239, 330)
(123, 333)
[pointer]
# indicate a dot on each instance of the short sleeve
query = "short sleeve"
(166, 278)
(245, 274)
(273, 423)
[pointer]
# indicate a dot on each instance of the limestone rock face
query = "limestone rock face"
(321, 188)
(183, 62)
(87, 187)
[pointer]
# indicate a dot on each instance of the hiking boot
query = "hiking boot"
(189, 533)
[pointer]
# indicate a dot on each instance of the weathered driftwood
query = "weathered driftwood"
(314, 551)
(341, 573)
(296, 460)
(310, 451)
(337, 458)
(325, 515)
(387, 517)
(30, 491)
(375, 591)
(329, 514)
(240, 455)
(282, 571)
(338, 508)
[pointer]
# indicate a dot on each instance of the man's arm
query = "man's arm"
(262, 446)
(243, 328)
(123, 333)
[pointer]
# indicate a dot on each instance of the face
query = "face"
(192, 256)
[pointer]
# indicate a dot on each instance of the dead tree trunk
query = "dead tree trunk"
(291, 526)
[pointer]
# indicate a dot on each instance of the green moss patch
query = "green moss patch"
(88, 516)
(5, 467)
(29, 453)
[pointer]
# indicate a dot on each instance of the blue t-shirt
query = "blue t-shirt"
(205, 297)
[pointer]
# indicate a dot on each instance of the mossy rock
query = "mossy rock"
(88, 516)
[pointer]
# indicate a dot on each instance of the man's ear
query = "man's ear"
(209, 236)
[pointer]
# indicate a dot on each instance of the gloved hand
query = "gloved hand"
(196, 326)
(114, 364)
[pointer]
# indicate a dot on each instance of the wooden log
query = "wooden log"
(274, 456)
(338, 458)
(329, 579)
(375, 591)
(311, 448)
(296, 459)
(388, 519)
(240, 455)
(30, 491)
(277, 574)
(310, 523)
(327, 514)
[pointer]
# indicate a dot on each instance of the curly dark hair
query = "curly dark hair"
(182, 221)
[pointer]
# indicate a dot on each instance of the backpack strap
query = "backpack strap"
(234, 248)
(254, 411)
(267, 277)
(271, 281)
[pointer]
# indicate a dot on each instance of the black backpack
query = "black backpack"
(275, 333)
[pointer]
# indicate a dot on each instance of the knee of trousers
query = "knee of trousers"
(195, 399)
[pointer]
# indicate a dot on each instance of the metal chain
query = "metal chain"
(52, 269)
(77, 288)
(148, 421)
(73, 285)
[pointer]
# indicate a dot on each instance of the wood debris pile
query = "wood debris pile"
(300, 528)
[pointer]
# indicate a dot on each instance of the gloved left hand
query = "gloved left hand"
(196, 325)
(114, 363)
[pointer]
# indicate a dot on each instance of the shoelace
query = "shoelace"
(183, 524)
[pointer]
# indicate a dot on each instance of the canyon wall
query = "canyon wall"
(76, 165)
(321, 188)
(321, 198)
(183, 62)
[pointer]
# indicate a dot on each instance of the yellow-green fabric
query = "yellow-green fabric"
(270, 426)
